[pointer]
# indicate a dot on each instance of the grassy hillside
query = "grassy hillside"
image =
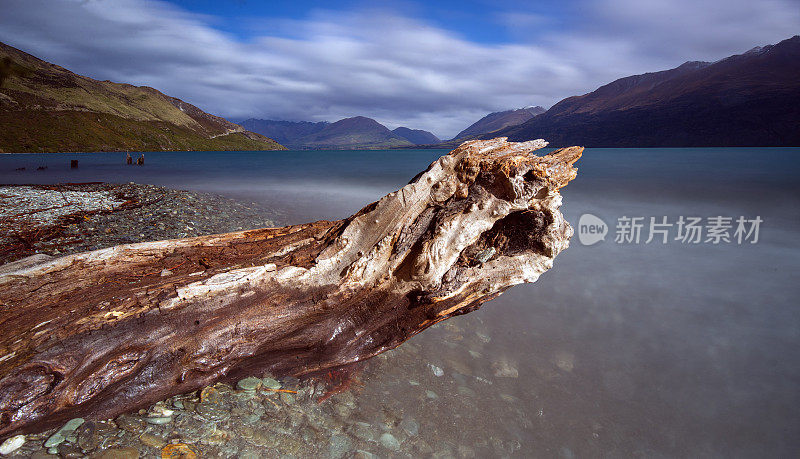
(46, 108)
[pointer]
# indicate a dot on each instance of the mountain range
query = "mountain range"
(750, 99)
(46, 108)
(358, 132)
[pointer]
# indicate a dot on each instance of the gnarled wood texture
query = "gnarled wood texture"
(104, 332)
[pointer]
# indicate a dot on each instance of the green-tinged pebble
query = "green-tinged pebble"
(62, 433)
(249, 384)
(271, 383)
(389, 441)
(160, 420)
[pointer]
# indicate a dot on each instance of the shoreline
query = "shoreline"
(67, 218)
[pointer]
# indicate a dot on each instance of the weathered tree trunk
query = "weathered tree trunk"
(104, 332)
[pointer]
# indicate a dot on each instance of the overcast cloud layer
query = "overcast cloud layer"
(397, 69)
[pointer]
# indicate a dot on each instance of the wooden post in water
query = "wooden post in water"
(73, 164)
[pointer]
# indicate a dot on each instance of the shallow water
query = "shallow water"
(620, 350)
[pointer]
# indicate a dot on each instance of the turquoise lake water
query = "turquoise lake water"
(622, 349)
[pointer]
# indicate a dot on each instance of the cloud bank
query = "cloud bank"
(398, 69)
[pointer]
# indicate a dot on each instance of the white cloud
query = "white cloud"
(397, 69)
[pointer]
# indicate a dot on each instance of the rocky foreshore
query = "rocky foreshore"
(63, 219)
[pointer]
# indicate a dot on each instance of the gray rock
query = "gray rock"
(62, 433)
(504, 368)
(410, 425)
(340, 445)
(364, 431)
(389, 442)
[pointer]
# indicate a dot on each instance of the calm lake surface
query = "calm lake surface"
(622, 349)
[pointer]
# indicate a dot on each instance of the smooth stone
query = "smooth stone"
(340, 445)
(271, 383)
(410, 425)
(466, 391)
(364, 431)
(389, 441)
(431, 394)
(119, 453)
(503, 368)
(52, 450)
(251, 418)
(413, 383)
(160, 420)
(130, 423)
(62, 433)
(152, 440)
(438, 372)
(68, 451)
(343, 411)
(249, 384)
(12, 444)
(466, 452)
(160, 412)
(211, 412)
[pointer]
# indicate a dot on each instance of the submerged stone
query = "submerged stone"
(389, 441)
(271, 383)
(410, 425)
(340, 445)
(12, 444)
(62, 433)
(249, 384)
(160, 420)
(152, 440)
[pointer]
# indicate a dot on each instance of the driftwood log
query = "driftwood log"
(100, 333)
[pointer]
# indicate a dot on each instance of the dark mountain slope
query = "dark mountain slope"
(285, 132)
(751, 99)
(416, 136)
(499, 120)
(355, 132)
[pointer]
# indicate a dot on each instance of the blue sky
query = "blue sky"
(479, 21)
(434, 65)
